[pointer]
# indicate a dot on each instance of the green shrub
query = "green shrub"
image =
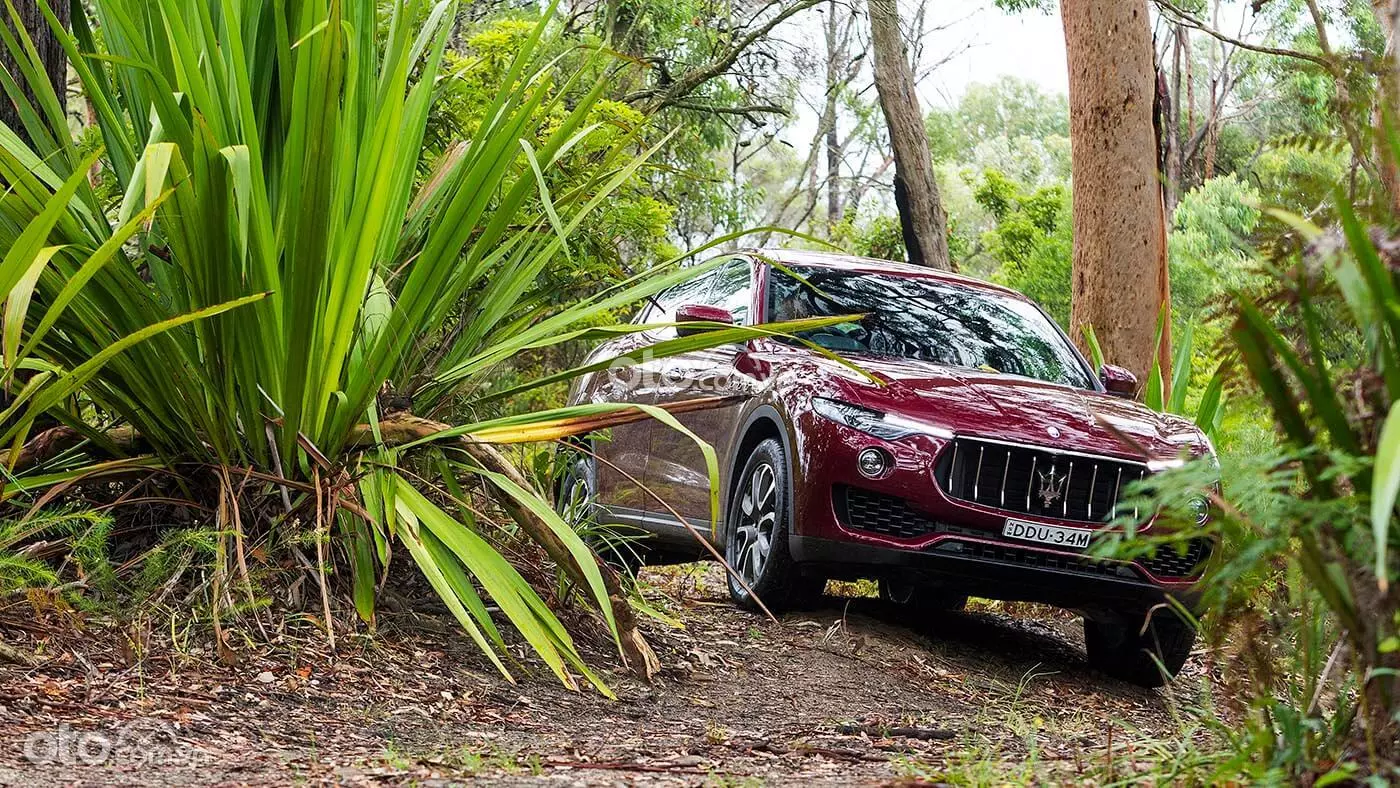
(278, 276)
(1305, 608)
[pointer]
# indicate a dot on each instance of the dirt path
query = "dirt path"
(841, 695)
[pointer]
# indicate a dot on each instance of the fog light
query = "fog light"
(1200, 508)
(873, 463)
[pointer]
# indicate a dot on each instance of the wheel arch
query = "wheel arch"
(763, 423)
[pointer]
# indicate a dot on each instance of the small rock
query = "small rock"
(266, 677)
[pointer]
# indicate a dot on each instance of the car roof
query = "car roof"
(849, 262)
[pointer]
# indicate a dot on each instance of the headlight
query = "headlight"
(885, 426)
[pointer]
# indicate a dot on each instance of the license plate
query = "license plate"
(1056, 535)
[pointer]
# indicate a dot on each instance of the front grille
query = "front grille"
(1167, 561)
(888, 515)
(1034, 481)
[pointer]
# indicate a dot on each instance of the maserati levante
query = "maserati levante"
(948, 441)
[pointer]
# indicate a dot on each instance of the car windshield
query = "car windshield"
(929, 320)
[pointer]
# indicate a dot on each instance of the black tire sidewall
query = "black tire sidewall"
(627, 558)
(1118, 649)
(768, 585)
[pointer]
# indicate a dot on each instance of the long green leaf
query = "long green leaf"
(1209, 410)
(1095, 351)
(70, 382)
(1385, 486)
(20, 256)
(431, 568)
(517, 600)
(1181, 371)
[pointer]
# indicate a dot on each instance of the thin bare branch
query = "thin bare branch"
(1191, 21)
(687, 83)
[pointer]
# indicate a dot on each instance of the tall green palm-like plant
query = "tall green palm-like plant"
(1351, 463)
(1309, 585)
(272, 266)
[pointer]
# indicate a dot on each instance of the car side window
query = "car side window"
(663, 307)
(733, 290)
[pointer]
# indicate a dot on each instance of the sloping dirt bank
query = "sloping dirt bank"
(846, 694)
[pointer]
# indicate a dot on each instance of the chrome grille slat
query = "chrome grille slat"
(1117, 488)
(1030, 485)
(1093, 485)
(1078, 495)
(981, 451)
(1069, 478)
(1005, 469)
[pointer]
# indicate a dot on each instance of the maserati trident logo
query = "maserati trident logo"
(1052, 487)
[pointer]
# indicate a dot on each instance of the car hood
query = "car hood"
(1023, 410)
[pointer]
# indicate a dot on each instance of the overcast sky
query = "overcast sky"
(981, 41)
(1029, 45)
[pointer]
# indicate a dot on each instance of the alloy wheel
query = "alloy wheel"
(758, 516)
(576, 499)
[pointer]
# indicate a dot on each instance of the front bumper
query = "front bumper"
(984, 574)
(956, 543)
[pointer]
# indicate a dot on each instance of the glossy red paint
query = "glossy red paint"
(963, 402)
(703, 313)
(1118, 381)
(776, 383)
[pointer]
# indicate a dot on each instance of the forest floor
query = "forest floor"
(844, 694)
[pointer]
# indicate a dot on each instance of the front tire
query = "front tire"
(1124, 652)
(758, 525)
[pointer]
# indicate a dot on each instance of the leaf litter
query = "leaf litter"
(852, 692)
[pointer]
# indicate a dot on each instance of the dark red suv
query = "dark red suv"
(956, 444)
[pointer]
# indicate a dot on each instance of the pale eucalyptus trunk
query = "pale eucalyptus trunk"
(1119, 271)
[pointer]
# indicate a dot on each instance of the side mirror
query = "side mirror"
(701, 313)
(1119, 382)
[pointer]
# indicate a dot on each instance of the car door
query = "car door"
(623, 452)
(676, 469)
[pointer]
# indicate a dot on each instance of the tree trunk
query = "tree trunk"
(834, 213)
(1213, 108)
(921, 214)
(1212, 137)
(1190, 98)
(50, 52)
(835, 57)
(1173, 117)
(1119, 270)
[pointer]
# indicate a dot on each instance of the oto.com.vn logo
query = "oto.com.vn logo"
(648, 373)
(136, 743)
